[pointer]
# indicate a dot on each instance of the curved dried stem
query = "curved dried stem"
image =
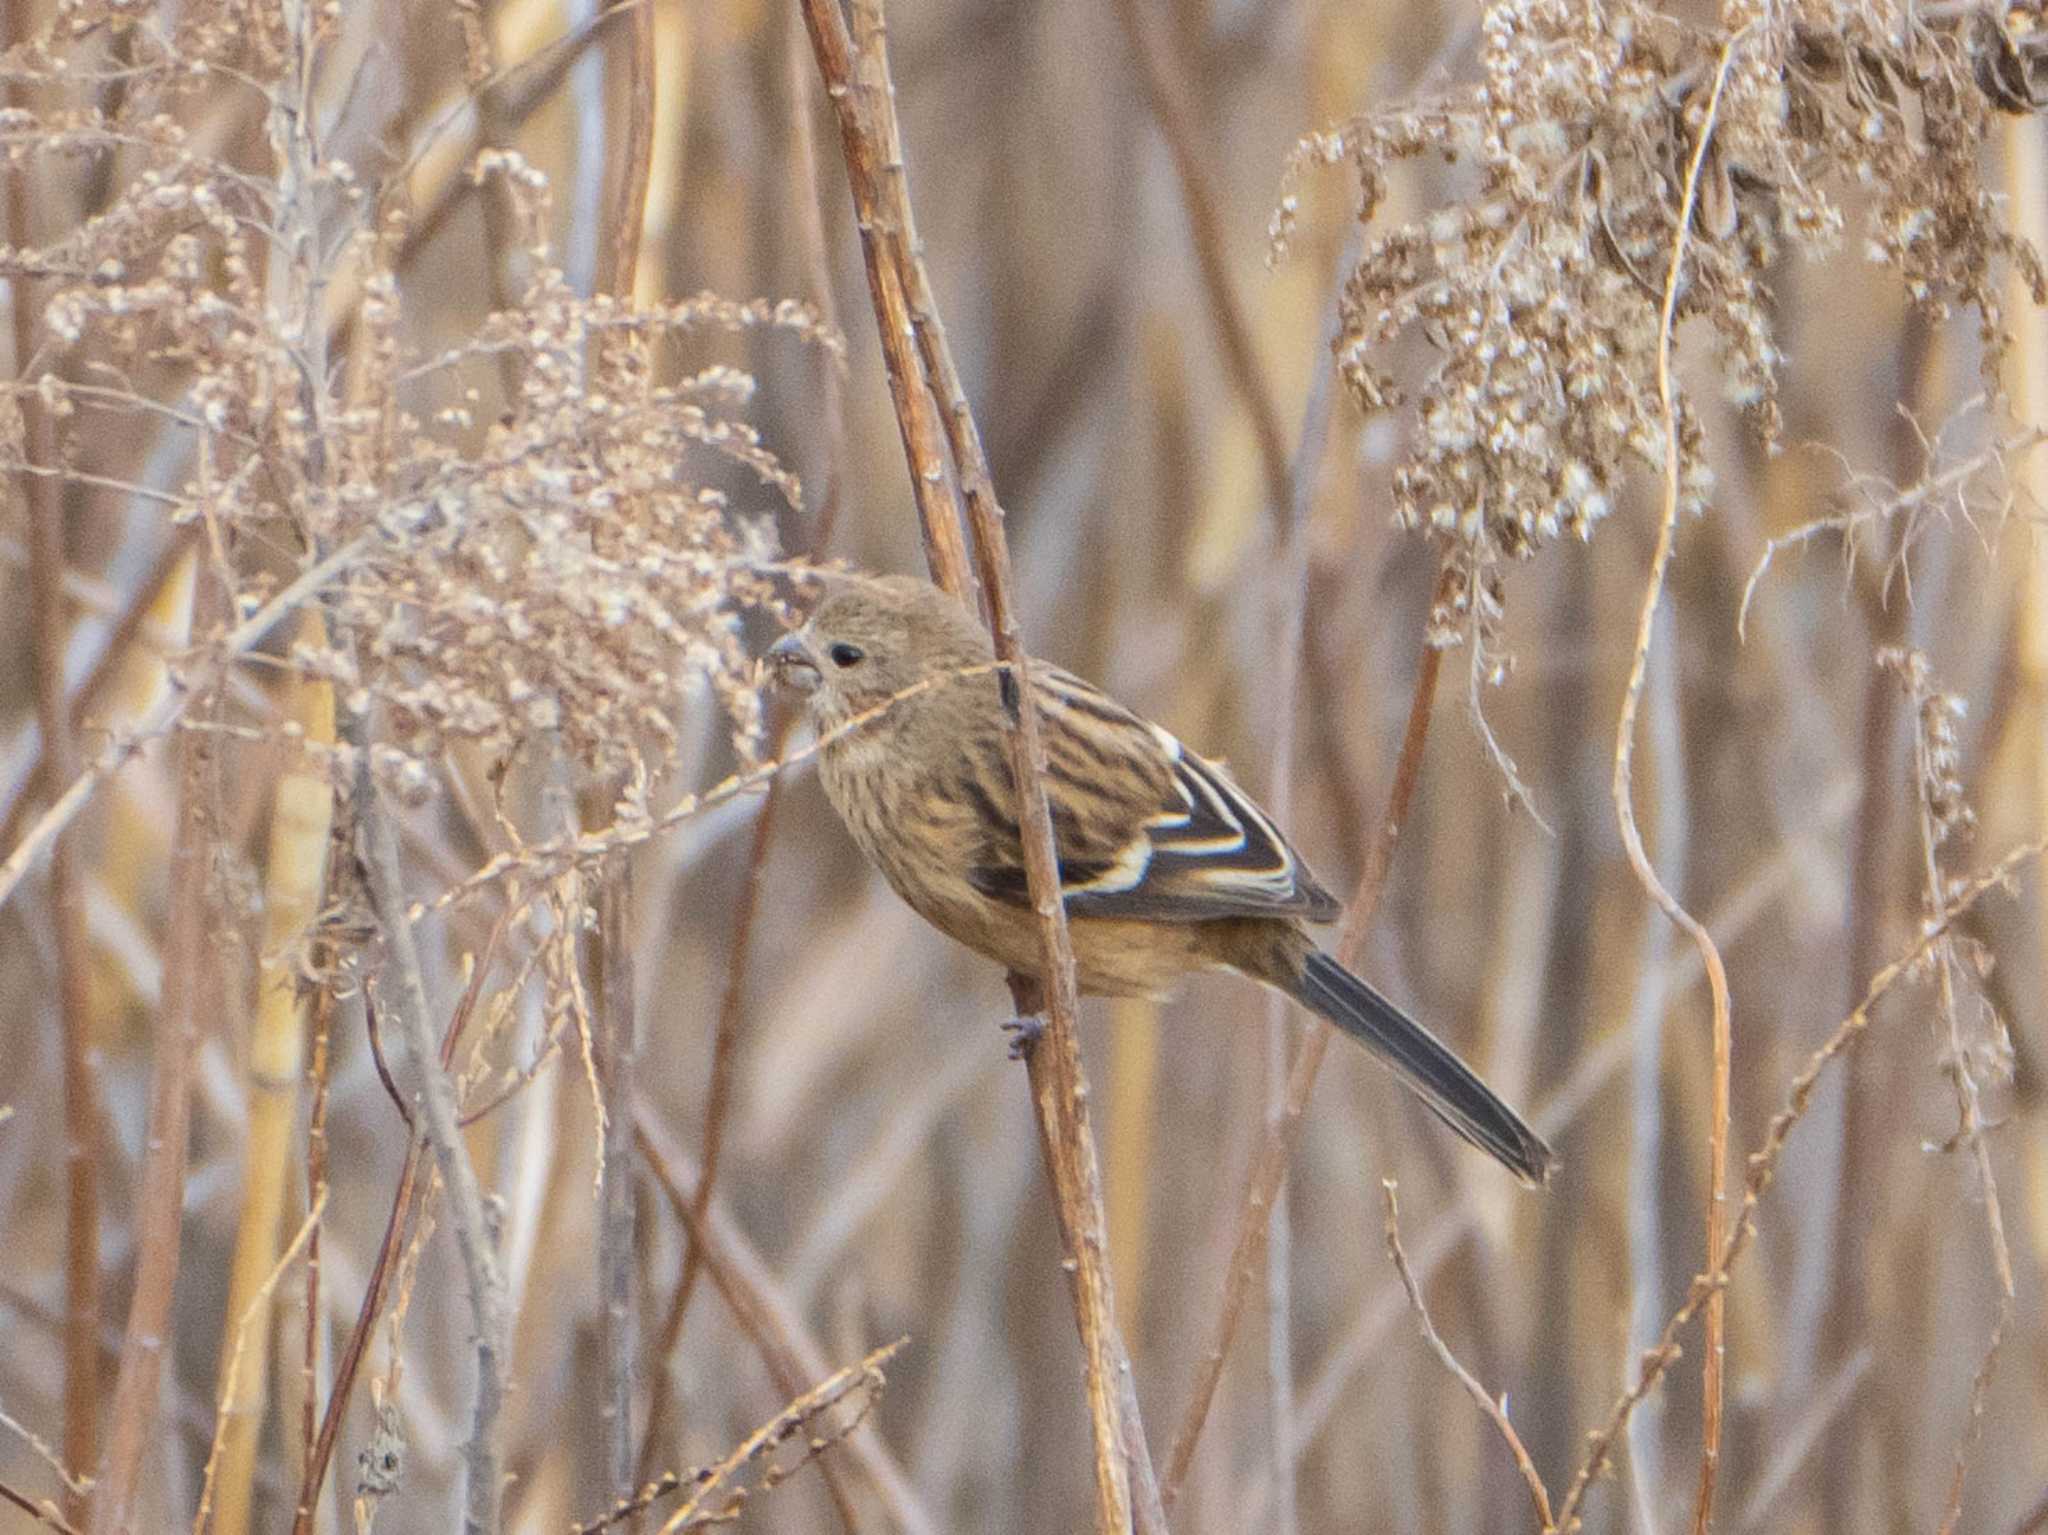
(1761, 1169)
(1496, 1412)
(1276, 1145)
(1624, 806)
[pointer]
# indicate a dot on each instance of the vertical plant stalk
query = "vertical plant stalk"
(318, 1073)
(1711, 1388)
(74, 959)
(732, 1003)
(60, 764)
(1276, 1145)
(301, 819)
(617, 1040)
(1956, 1061)
(405, 996)
(906, 312)
(862, 144)
(1168, 95)
(160, 1192)
(772, 1322)
(1283, 1034)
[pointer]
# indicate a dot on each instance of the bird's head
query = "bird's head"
(869, 640)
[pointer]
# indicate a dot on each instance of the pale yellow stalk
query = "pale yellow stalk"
(299, 822)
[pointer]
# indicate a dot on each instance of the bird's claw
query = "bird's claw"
(1024, 1034)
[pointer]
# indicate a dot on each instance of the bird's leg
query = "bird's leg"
(1025, 1032)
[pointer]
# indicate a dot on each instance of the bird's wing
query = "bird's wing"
(1145, 828)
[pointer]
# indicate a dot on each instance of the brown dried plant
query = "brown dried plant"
(561, 564)
(1539, 294)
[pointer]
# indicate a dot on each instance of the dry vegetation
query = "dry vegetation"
(455, 1082)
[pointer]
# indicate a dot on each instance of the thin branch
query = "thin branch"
(47, 564)
(383, 875)
(178, 695)
(1639, 860)
(239, 1346)
(770, 1320)
(861, 139)
(1495, 1411)
(864, 97)
(160, 1194)
(1762, 1166)
(1276, 1146)
(1928, 773)
(44, 1513)
(128, 625)
(617, 1032)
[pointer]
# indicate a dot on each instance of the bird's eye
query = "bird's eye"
(844, 655)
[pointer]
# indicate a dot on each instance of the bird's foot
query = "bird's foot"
(1024, 1035)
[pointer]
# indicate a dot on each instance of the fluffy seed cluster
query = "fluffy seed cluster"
(553, 528)
(1538, 297)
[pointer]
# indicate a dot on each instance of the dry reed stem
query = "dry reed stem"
(857, 79)
(617, 1022)
(771, 1321)
(1969, 1115)
(732, 1003)
(301, 820)
(160, 1191)
(318, 1073)
(129, 623)
(860, 137)
(237, 1349)
(179, 693)
(74, 956)
(1276, 1145)
(1167, 93)
(407, 996)
(1639, 860)
(44, 1513)
(48, 566)
(1495, 1411)
(1761, 1167)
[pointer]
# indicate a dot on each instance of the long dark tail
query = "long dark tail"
(1450, 1087)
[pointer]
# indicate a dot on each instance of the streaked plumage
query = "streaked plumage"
(1166, 864)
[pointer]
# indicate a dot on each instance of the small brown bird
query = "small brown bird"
(1166, 865)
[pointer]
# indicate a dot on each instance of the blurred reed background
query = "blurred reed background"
(1142, 380)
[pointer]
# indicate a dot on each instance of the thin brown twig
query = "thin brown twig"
(863, 94)
(1912, 671)
(617, 1018)
(250, 1315)
(860, 139)
(160, 1194)
(1639, 860)
(319, 1073)
(177, 697)
(67, 915)
(397, 1228)
(771, 1322)
(1761, 1168)
(44, 1513)
(1495, 1411)
(1168, 95)
(128, 624)
(1276, 1145)
(48, 565)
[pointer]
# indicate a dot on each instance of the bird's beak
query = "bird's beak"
(791, 663)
